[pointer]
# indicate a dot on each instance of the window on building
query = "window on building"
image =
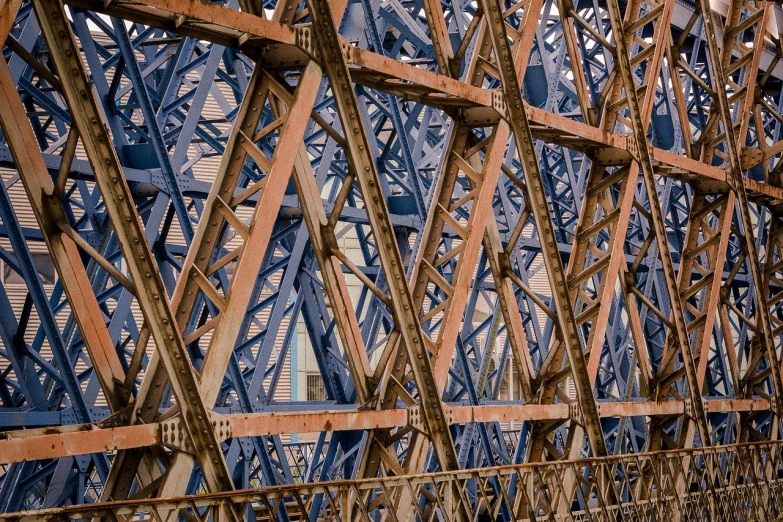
(315, 387)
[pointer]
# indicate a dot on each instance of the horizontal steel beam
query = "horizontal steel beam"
(280, 42)
(81, 439)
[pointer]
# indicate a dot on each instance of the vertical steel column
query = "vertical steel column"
(462, 166)
(645, 163)
(518, 121)
(149, 288)
(736, 178)
(600, 214)
(363, 167)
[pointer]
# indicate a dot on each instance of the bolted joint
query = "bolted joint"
(416, 419)
(448, 413)
(749, 157)
(221, 425)
(688, 409)
(174, 435)
(499, 103)
(304, 40)
(775, 405)
(575, 413)
(633, 147)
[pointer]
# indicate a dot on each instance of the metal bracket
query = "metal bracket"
(174, 435)
(304, 39)
(416, 419)
(499, 103)
(775, 405)
(575, 413)
(689, 411)
(688, 408)
(448, 412)
(633, 148)
(418, 422)
(750, 156)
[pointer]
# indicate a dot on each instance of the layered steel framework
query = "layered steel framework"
(628, 153)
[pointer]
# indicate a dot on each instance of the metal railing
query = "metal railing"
(739, 483)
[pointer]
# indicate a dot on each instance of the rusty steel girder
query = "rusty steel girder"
(391, 259)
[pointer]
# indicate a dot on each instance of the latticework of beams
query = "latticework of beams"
(505, 250)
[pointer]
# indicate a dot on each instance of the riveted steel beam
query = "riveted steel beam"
(79, 439)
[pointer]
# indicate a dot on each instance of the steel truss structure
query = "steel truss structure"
(627, 153)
